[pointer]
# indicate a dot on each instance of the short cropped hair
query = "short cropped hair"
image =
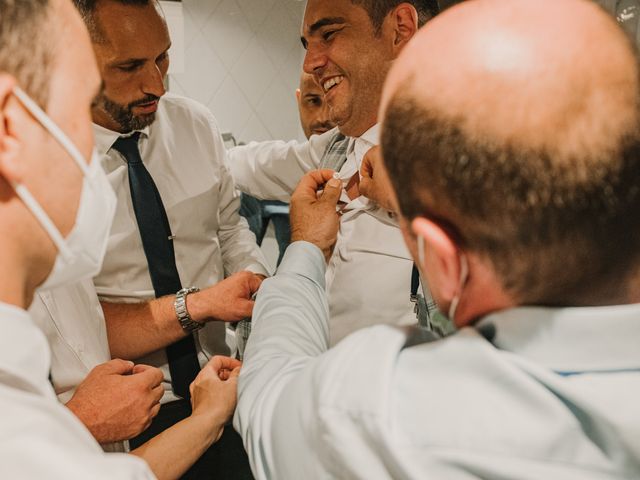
(26, 46)
(379, 9)
(558, 229)
(87, 9)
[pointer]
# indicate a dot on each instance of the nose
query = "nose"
(154, 81)
(315, 60)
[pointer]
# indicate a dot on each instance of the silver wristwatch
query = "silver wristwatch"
(186, 322)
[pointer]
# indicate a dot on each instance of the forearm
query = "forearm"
(267, 170)
(137, 329)
(171, 453)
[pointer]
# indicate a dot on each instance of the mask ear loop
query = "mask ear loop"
(421, 250)
(55, 131)
(43, 218)
(23, 192)
(464, 275)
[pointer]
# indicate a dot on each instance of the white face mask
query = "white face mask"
(464, 274)
(80, 254)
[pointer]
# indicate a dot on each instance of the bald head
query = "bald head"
(314, 113)
(559, 75)
(529, 112)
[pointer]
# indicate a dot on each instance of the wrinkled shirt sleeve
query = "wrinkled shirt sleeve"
(275, 394)
(271, 170)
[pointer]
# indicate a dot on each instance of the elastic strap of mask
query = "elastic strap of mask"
(53, 129)
(464, 273)
(43, 218)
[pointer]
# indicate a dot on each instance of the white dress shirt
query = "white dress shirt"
(553, 395)
(184, 153)
(369, 275)
(71, 318)
(40, 437)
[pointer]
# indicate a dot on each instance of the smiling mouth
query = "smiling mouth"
(331, 83)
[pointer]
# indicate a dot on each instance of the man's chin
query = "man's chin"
(139, 122)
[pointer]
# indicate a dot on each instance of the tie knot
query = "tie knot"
(128, 147)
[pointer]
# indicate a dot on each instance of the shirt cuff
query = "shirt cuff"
(304, 259)
(258, 269)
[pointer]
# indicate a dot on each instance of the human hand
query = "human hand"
(118, 400)
(314, 218)
(227, 301)
(375, 183)
(214, 392)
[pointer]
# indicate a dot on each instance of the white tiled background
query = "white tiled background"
(243, 60)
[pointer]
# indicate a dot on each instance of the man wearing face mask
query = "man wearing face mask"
(115, 399)
(350, 46)
(521, 211)
(176, 226)
(52, 231)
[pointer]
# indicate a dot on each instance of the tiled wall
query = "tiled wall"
(243, 60)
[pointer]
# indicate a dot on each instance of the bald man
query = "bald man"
(511, 134)
(314, 111)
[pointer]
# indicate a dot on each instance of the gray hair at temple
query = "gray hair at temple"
(26, 46)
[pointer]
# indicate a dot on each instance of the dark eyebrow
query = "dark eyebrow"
(323, 22)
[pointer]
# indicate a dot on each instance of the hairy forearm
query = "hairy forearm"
(175, 450)
(137, 329)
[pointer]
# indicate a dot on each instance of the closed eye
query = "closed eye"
(328, 35)
(129, 67)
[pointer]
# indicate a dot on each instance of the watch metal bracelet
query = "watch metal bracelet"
(182, 314)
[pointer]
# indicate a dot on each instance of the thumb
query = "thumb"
(332, 191)
(254, 283)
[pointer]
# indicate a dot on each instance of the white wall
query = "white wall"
(243, 60)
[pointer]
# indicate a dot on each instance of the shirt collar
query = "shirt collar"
(362, 144)
(569, 340)
(25, 351)
(105, 138)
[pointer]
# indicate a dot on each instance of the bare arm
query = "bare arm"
(213, 397)
(137, 329)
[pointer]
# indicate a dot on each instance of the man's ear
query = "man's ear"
(405, 23)
(298, 95)
(11, 168)
(441, 259)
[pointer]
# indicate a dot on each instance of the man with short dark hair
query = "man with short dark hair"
(51, 231)
(515, 162)
(350, 48)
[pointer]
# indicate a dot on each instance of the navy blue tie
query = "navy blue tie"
(157, 241)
